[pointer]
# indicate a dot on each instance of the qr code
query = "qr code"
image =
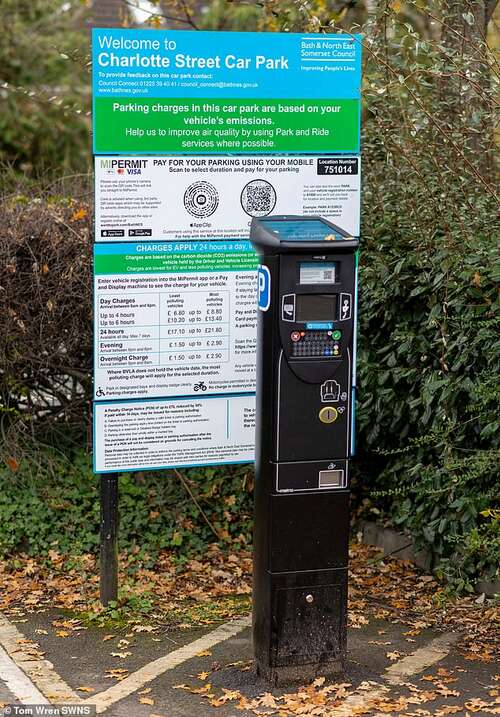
(258, 198)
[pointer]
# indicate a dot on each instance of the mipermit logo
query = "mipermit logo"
(123, 166)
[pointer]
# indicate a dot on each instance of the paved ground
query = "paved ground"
(163, 669)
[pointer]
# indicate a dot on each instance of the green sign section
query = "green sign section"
(156, 263)
(166, 125)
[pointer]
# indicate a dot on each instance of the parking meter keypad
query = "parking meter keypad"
(315, 344)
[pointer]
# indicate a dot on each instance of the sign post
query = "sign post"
(108, 576)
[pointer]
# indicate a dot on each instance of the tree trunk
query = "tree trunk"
(466, 85)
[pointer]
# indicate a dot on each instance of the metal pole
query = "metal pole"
(108, 580)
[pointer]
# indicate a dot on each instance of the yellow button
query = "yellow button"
(328, 414)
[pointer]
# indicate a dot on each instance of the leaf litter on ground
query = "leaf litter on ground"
(216, 587)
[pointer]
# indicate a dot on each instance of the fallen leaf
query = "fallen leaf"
(12, 463)
(108, 637)
(66, 624)
(62, 633)
(146, 701)
(393, 655)
(145, 691)
(85, 689)
(203, 653)
(445, 691)
(79, 214)
(118, 674)
(267, 700)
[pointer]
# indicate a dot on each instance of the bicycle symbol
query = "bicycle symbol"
(200, 386)
(99, 392)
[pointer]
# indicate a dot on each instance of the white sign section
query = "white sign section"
(216, 197)
(174, 319)
(139, 435)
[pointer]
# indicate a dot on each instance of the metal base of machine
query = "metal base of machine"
(300, 674)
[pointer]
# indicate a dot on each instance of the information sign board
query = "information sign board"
(141, 435)
(172, 197)
(164, 91)
(190, 131)
(174, 319)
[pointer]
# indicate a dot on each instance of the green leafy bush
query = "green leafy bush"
(428, 392)
(44, 76)
(429, 349)
(55, 507)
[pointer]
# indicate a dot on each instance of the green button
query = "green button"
(336, 335)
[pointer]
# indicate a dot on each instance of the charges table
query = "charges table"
(172, 327)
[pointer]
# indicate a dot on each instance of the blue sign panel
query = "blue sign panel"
(169, 63)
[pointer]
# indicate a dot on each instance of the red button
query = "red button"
(295, 336)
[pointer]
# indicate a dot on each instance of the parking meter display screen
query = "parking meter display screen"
(317, 272)
(301, 230)
(316, 307)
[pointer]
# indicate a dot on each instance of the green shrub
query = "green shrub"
(44, 76)
(428, 391)
(54, 506)
(429, 350)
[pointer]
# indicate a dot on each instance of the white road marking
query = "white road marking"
(16, 681)
(150, 672)
(422, 658)
(359, 703)
(39, 671)
(396, 674)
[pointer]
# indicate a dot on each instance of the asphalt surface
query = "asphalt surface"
(83, 658)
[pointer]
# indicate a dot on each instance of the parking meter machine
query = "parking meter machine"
(305, 415)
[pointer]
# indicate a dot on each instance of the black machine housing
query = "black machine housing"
(305, 369)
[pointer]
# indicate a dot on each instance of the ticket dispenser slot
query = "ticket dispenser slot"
(305, 371)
